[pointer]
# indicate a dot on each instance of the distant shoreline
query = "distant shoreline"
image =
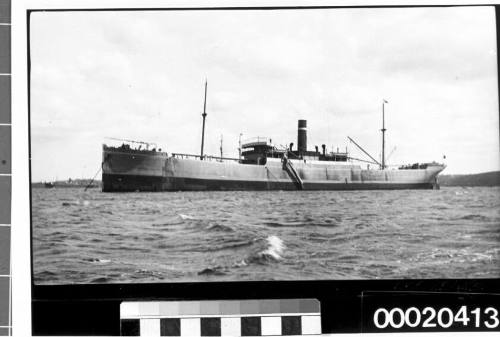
(72, 183)
(469, 180)
(465, 180)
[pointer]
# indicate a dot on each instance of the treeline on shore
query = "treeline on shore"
(67, 183)
(479, 179)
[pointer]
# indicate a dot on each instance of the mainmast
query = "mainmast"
(383, 133)
(239, 146)
(204, 114)
(221, 154)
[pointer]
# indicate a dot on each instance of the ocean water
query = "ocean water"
(95, 237)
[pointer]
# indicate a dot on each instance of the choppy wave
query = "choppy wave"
(220, 227)
(96, 260)
(274, 248)
(268, 250)
(186, 217)
(96, 237)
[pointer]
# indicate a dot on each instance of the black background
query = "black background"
(95, 308)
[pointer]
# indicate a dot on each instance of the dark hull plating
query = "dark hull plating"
(180, 184)
(132, 183)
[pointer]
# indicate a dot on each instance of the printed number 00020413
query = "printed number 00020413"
(430, 318)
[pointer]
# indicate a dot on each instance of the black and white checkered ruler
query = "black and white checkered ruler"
(221, 318)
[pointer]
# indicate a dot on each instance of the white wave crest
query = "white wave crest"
(186, 217)
(275, 247)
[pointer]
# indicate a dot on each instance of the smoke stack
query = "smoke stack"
(302, 136)
(316, 147)
(324, 149)
(291, 147)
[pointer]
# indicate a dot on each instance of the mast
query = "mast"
(221, 154)
(383, 133)
(204, 114)
(239, 146)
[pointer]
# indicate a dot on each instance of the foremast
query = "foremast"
(204, 114)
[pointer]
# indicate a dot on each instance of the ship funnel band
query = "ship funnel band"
(302, 136)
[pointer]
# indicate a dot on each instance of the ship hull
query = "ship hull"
(125, 170)
(132, 183)
(191, 184)
(162, 173)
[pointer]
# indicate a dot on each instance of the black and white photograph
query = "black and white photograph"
(171, 146)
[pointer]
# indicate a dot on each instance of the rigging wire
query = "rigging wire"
(92, 180)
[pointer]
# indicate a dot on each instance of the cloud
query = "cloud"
(140, 75)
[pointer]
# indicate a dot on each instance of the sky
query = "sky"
(140, 75)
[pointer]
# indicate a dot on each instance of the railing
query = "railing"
(148, 144)
(416, 166)
(259, 139)
(205, 157)
(126, 148)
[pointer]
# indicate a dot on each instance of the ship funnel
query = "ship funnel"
(302, 136)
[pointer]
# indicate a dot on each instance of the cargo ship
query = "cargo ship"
(261, 166)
